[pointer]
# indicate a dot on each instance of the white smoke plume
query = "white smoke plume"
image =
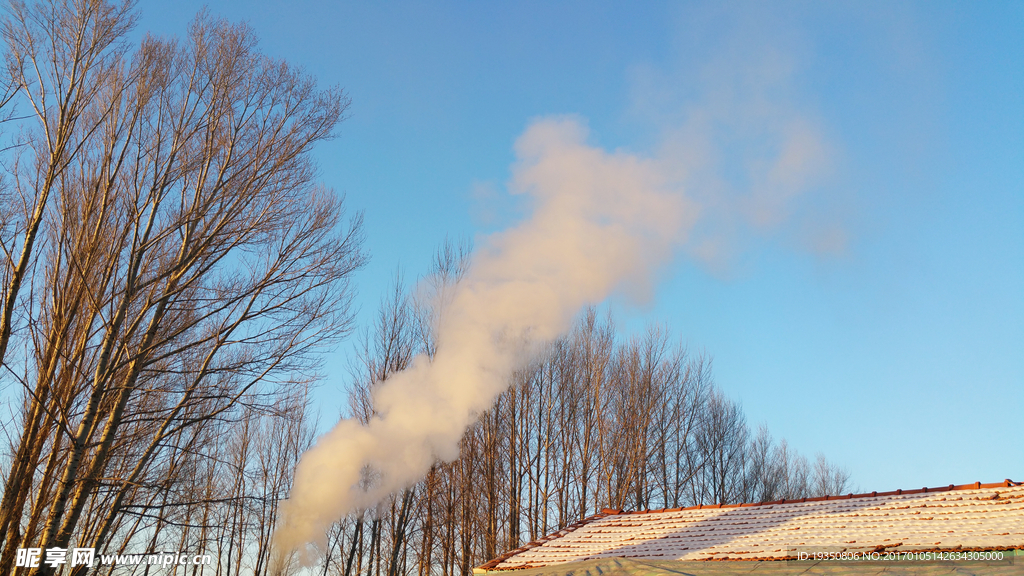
(600, 221)
(742, 157)
(742, 160)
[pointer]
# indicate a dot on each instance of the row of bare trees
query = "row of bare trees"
(596, 421)
(171, 274)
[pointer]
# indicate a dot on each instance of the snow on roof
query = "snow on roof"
(967, 517)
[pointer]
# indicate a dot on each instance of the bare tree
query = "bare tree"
(722, 443)
(828, 479)
(183, 262)
(765, 469)
(795, 474)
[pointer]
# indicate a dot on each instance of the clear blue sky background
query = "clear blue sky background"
(898, 353)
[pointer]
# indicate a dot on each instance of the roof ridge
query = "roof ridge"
(828, 497)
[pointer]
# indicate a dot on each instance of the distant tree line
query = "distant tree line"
(596, 421)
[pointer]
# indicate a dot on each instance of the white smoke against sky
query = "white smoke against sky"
(601, 223)
(732, 119)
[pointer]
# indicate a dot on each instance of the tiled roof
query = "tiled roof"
(966, 517)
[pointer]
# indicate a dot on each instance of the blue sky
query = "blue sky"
(878, 318)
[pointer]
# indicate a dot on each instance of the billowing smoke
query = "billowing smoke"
(600, 221)
(742, 155)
